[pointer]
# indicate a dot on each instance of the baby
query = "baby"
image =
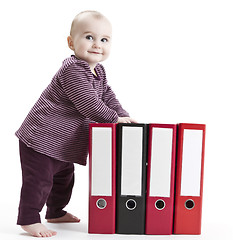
(54, 135)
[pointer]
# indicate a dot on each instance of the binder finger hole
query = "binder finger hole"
(189, 204)
(160, 204)
(101, 203)
(131, 204)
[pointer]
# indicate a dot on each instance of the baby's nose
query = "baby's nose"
(96, 45)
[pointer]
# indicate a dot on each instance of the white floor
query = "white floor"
(215, 231)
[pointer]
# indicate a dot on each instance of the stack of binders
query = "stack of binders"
(146, 178)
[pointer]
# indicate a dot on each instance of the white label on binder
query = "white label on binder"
(131, 169)
(161, 156)
(101, 180)
(191, 162)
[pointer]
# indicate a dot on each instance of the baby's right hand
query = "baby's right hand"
(126, 120)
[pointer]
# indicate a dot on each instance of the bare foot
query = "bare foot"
(65, 219)
(38, 230)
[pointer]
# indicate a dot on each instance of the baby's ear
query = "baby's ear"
(70, 42)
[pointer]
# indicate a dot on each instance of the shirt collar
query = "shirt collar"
(86, 65)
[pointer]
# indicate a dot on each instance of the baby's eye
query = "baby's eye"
(89, 37)
(104, 40)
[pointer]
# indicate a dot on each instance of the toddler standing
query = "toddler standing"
(54, 134)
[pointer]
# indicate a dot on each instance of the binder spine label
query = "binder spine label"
(101, 184)
(191, 163)
(161, 160)
(131, 177)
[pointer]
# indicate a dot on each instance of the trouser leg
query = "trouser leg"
(60, 194)
(37, 177)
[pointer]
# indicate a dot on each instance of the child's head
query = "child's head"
(90, 37)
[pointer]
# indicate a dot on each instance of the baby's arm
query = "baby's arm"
(112, 102)
(81, 93)
(109, 98)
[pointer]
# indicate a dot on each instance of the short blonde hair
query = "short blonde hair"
(92, 13)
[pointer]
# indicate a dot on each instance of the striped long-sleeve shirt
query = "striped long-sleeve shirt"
(58, 123)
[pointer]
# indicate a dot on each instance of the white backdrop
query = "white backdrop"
(171, 62)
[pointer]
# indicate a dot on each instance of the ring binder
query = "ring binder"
(102, 178)
(131, 178)
(160, 178)
(189, 178)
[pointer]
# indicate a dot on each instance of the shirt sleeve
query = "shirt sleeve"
(75, 82)
(112, 102)
(109, 98)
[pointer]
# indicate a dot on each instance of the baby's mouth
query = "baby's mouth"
(93, 52)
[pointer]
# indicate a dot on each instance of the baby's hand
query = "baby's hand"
(126, 120)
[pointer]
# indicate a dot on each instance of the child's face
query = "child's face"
(91, 40)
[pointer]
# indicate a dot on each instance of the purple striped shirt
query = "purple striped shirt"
(58, 123)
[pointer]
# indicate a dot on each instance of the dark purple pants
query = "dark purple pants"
(45, 180)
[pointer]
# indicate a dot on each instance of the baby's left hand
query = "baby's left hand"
(126, 120)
